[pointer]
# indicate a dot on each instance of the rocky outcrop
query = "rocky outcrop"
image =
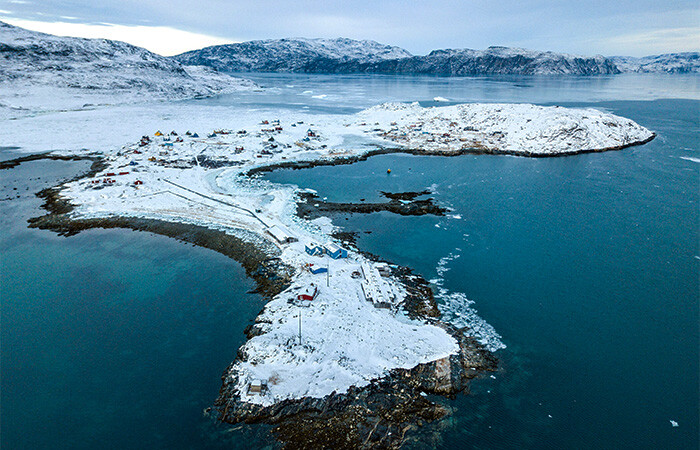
(379, 415)
(311, 207)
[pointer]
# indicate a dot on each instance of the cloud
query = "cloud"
(686, 39)
(159, 39)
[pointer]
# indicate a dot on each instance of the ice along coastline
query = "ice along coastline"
(186, 179)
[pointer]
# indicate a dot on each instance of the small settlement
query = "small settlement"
(338, 324)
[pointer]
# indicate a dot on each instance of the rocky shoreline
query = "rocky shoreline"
(379, 415)
(299, 165)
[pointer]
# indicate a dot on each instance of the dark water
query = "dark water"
(586, 265)
(111, 338)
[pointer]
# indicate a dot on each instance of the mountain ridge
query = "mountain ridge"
(298, 55)
(32, 61)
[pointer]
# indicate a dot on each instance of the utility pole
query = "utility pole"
(299, 324)
(328, 273)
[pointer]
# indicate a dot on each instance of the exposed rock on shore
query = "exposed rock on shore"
(312, 207)
(379, 415)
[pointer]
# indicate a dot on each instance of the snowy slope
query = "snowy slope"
(688, 62)
(498, 61)
(293, 55)
(41, 71)
(349, 56)
(523, 129)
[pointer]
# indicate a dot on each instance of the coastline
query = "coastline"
(445, 371)
(299, 165)
(376, 415)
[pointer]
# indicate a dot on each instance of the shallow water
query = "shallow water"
(586, 266)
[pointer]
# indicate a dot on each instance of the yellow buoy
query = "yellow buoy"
(388, 170)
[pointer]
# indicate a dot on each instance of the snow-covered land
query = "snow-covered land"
(353, 330)
(503, 128)
(293, 55)
(42, 72)
(350, 56)
(688, 62)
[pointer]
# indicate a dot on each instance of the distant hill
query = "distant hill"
(32, 60)
(294, 55)
(688, 62)
(351, 56)
(496, 61)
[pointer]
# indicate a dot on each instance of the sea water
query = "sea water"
(111, 338)
(585, 266)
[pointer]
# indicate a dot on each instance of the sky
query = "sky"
(168, 27)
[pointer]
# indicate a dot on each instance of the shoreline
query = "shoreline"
(342, 160)
(408, 364)
(397, 399)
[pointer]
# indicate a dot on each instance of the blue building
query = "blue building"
(314, 249)
(336, 252)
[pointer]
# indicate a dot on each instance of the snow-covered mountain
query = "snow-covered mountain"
(497, 61)
(350, 56)
(293, 55)
(688, 62)
(38, 70)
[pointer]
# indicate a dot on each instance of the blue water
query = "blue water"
(587, 266)
(111, 338)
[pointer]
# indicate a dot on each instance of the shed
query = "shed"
(310, 293)
(335, 251)
(280, 235)
(257, 387)
(317, 270)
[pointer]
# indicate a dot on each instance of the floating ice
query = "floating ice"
(456, 309)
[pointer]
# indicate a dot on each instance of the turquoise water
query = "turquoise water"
(111, 338)
(587, 266)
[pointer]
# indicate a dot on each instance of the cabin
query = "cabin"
(335, 251)
(280, 235)
(384, 270)
(314, 249)
(257, 387)
(309, 294)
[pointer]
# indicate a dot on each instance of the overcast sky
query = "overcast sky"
(608, 27)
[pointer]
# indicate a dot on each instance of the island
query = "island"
(349, 348)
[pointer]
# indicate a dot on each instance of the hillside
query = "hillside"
(293, 55)
(39, 70)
